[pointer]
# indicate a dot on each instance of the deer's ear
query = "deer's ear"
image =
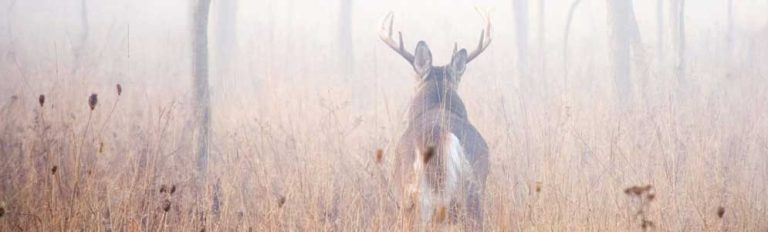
(459, 62)
(422, 61)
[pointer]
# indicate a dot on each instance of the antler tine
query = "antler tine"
(387, 39)
(485, 38)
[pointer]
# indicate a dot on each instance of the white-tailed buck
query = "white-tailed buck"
(442, 160)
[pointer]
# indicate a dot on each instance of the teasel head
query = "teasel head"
(93, 100)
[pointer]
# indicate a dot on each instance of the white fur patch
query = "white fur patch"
(457, 165)
(457, 174)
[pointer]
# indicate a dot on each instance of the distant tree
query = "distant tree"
(201, 89)
(226, 34)
(677, 20)
(80, 44)
(345, 37)
(542, 37)
(660, 31)
(568, 21)
(624, 33)
(225, 47)
(729, 36)
(520, 9)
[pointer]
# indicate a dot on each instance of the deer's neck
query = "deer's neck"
(436, 96)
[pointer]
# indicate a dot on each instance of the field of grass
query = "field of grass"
(295, 143)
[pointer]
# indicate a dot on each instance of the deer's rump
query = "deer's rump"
(427, 129)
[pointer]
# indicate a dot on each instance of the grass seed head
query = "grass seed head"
(163, 188)
(119, 89)
(638, 190)
(93, 100)
(280, 201)
(53, 169)
(647, 224)
(720, 212)
(173, 189)
(41, 100)
(166, 205)
(429, 153)
(538, 186)
(379, 155)
(440, 214)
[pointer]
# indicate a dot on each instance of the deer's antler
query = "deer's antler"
(485, 36)
(386, 35)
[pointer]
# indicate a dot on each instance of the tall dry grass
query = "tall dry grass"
(307, 160)
(297, 147)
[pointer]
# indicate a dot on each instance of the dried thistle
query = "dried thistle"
(41, 100)
(720, 212)
(429, 153)
(379, 155)
(53, 169)
(440, 214)
(637, 190)
(646, 224)
(538, 186)
(93, 100)
(280, 201)
(166, 205)
(119, 89)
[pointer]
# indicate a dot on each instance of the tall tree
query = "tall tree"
(624, 33)
(542, 37)
(520, 9)
(345, 36)
(729, 36)
(677, 20)
(201, 89)
(226, 34)
(225, 51)
(79, 46)
(568, 21)
(660, 31)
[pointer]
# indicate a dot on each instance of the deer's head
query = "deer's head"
(448, 75)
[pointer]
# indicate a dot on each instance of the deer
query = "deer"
(441, 161)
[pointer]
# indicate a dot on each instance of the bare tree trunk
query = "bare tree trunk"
(624, 33)
(79, 47)
(568, 21)
(520, 8)
(677, 20)
(202, 94)
(542, 38)
(225, 52)
(660, 32)
(730, 26)
(345, 37)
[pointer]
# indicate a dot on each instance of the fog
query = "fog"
(304, 92)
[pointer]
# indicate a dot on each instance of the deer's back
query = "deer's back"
(424, 131)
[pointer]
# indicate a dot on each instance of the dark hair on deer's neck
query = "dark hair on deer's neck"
(437, 91)
(437, 84)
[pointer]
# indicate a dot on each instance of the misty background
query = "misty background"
(585, 96)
